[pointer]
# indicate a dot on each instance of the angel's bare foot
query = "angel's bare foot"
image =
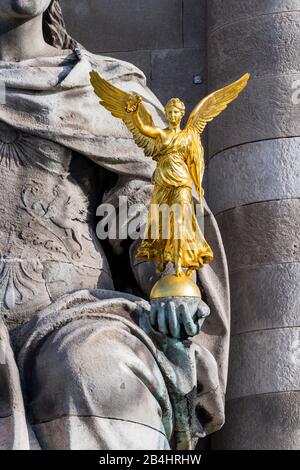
(179, 271)
(190, 272)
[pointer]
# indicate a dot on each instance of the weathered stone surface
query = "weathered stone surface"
(264, 362)
(117, 26)
(172, 75)
(265, 110)
(59, 278)
(6, 432)
(144, 437)
(265, 297)
(266, 422)
(170, 72)
(257, 45)
(221, 13)
(141, 59)
(260, 171)
(50, 193)
(261, 238)
(55, 135)
(194, 23)
(5, 393)
(263, 233)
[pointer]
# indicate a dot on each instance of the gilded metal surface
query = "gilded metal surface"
(175, 286)
(180, 164)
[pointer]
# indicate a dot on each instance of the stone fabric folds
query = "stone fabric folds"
(87, 364)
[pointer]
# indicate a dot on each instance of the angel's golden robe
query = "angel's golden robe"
(182, 241)
(180, 163)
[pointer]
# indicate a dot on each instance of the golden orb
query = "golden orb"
(175, 286)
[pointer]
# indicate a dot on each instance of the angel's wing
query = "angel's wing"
(215, 103)
(195, 161)
(117, 102)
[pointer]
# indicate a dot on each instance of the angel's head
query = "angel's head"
(175, 110)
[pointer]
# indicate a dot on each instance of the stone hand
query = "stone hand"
(178, 317)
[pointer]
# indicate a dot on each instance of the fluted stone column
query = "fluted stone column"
(254, 189)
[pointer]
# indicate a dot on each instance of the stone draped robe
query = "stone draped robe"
(52, 98)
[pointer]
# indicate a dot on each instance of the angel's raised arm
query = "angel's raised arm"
(129, 108)
(149, 131)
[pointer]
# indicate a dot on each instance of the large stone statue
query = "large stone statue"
(81, 366)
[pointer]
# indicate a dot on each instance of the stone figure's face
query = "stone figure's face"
(22, 8)
(174, 115)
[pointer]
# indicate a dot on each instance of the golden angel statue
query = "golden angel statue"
(180, 164)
